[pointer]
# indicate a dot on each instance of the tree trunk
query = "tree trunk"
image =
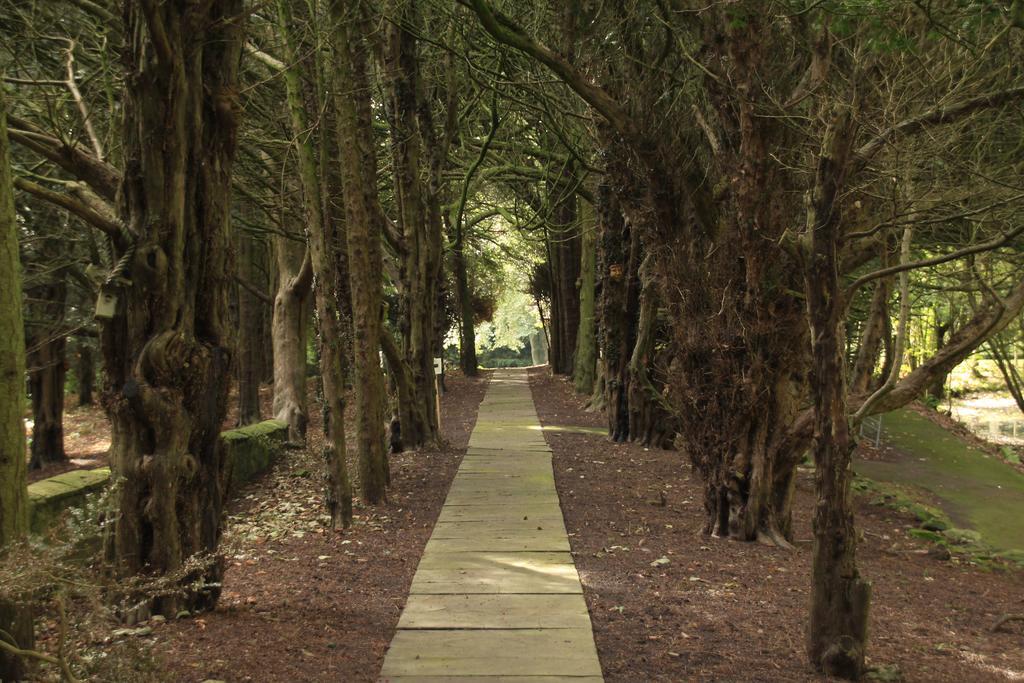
(538, 348)
(14, 619)
(420, 260)
(937, 389)
(289, 329)
(650, 420)
(324, 235)
(86, 373)
(250, 328)
(467, 331)
(168, 350)
(47, 370)
(873, 334)
(564, 259)
(46, 350)
(585, 363)
(837, 632)
(620, 308)
(365, 227)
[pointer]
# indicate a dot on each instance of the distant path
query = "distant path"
(496, 596)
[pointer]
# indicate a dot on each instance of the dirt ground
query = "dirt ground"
(302, 603)
(724, 611)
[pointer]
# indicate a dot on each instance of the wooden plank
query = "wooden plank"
(492, 652)
(535, 562)
(492, 679)
(497, 580)
(489, 611)
(517, 544)
(496, 596)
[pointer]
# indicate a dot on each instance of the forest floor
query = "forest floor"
(671, 604)
(303, 603)
(86, 440)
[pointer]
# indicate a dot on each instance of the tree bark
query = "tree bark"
(365, 221)
(288, 331)
(47, 368)
(564, 259)
(837, 632)
(585, 360)
(168, 350)
(250, 328)
(419, 219)
(324, 234)
(14, 619)
(467, 332)
(86, 373)
(872, 336)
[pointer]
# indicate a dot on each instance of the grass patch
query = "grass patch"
(973, 489)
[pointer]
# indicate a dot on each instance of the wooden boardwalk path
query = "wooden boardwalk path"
(496, 596)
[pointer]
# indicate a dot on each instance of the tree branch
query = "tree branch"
(88, 211)
(994, 243)
(934, 117)
(506, 31)
(102, 177)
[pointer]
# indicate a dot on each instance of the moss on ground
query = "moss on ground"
(976, 494)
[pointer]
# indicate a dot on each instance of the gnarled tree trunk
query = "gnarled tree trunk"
(168, 350)
(288, 332)
(251, 314)
(324, 236)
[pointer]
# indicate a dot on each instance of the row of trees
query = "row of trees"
(727, 216)
(772, 175)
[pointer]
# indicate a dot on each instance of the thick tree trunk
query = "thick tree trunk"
(419, 218)
(650, 420)
(585, 361)
(86, 373)
(324, 237)
(636, 409)
(168, 350)
(289, 329)
(837, 632)
(620, 308)
(365, 227)
(14, 619)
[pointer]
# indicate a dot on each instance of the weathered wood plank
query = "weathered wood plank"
(550, 652)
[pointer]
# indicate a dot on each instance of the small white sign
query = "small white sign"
(437, 366)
